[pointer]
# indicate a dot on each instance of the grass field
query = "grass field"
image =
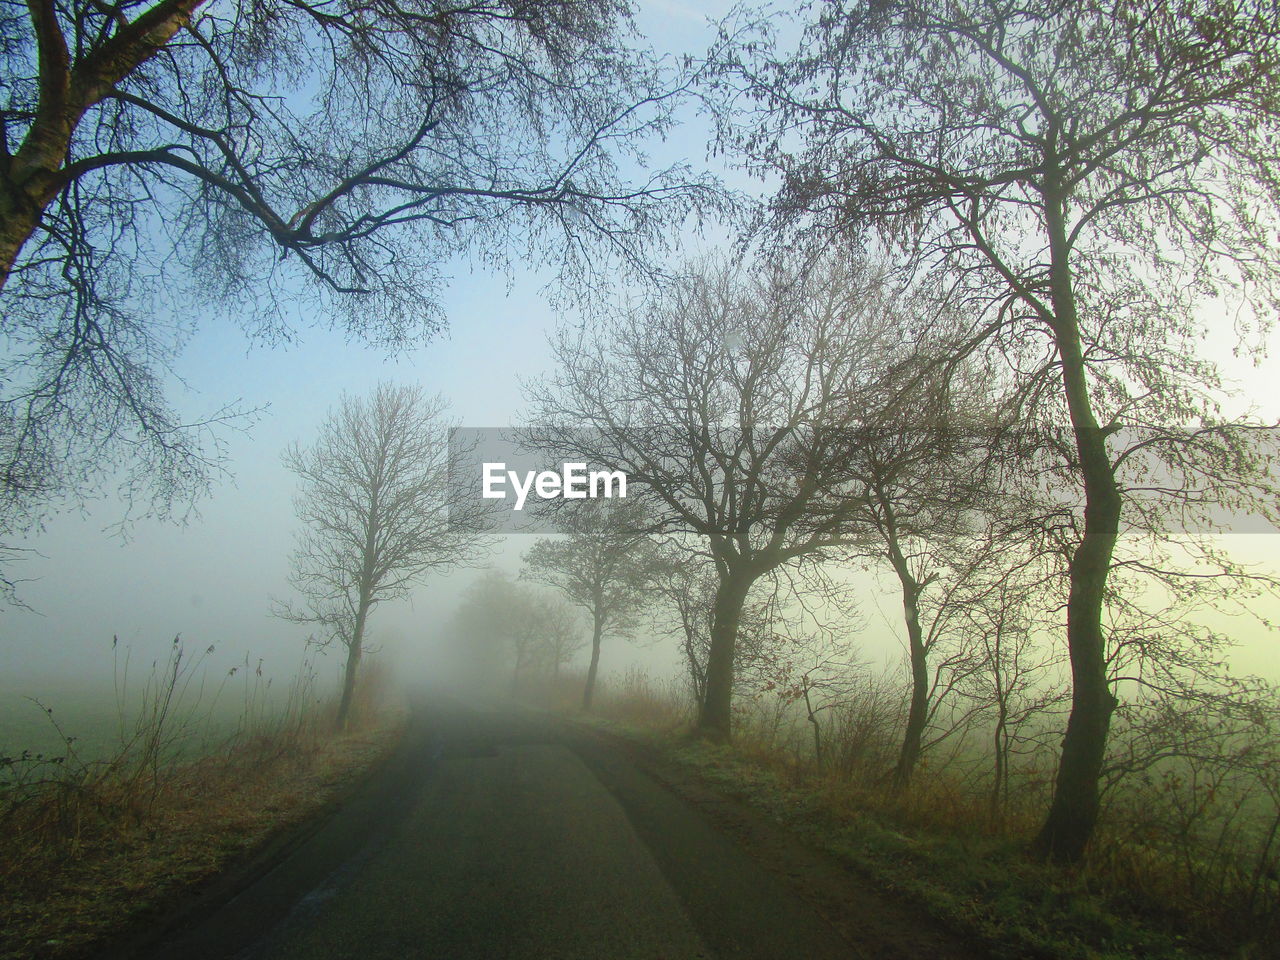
(198, 707)
(114, 800)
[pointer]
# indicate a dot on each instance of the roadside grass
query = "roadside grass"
(93, 845)
(939, 846)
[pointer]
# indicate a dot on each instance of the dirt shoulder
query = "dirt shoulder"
(216, 822)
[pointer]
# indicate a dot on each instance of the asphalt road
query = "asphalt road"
(495, 835)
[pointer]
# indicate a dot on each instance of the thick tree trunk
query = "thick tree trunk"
(597, 631)
(18, 218)
(1074, 810)
(715, 718)
(1073, 813)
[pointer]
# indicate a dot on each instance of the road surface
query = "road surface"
(499, 834)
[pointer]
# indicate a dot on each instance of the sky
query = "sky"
(212, 580)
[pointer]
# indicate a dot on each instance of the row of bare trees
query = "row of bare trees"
(780, 419)
(1085, 177)
(788, 422)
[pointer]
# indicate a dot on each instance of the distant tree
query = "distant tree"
(378, 514)
(482, 627)
(525, 628)
(545, 633)
(685, 586)
(723, 401)
(601, 563)
(533, 631)
(565, 636)
(282, 159)
(1003, 611)
(1086, 176)
(920, 467)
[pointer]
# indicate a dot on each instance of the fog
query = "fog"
(795, 477)
(212, 578)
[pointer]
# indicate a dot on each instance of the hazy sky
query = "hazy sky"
(212, 580)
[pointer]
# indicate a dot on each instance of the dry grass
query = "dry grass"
(86, 846)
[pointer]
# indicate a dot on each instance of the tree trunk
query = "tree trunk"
(818, 757)
(348, 685)
(355, 648)
(18, 219)
(597, 631)
(909, 753)
(515, 671)
(1073, 812)
(715, 718)
(1001, 747)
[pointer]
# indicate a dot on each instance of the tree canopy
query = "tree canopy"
(285, 161)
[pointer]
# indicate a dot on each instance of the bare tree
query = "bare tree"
(920, 467)
(1016, 682)
(525, 627)
(686, 583)
(481, 630)
(601, 564)
(379, 515)
(279, 160)
(1085, 175)
(723, 402)
(686, 587)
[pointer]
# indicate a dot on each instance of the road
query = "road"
(503, 834)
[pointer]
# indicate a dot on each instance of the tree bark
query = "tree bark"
(818, 756)
(597, 632)
(715, 718)
(19, 214)
(1073, 812)
(909, 752)
(1001, 747)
